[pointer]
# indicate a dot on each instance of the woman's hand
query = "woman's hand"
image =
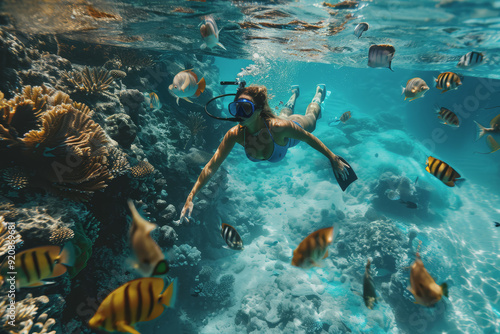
(339, 168)
(186, 211)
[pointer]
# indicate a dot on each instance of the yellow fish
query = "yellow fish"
(313, 249)
(442, 171)
(448, 81)
(150, 258)
(495, 127)
(37, 264)
(136, 301)
(154, 101)
(423, 286)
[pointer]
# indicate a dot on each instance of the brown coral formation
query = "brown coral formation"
(25, 313)
(15, 178)
(61, 235)
(55, 141)
(90, 81)
(142, 169)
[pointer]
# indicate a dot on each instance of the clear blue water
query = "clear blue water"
(274, 206)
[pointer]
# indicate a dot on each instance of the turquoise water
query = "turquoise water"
(275, 206)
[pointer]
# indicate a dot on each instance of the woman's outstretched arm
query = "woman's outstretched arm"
(292, 130)
(210, 168)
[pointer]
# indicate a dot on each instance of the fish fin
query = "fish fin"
(317, 264)
(222, 46)
(326, 254)
(459, 182)
(444, 287)
(450, 183)
(480, 130)
(390, 63)
(435, 81)
(203, 46)
(37, 284)
(444, 91)
(169, 297)
(185, 85)
(201, 87)
(67, 256)
(177, 100)
(59, 269)
(492, 144)
(409, 289)
(413, 99)
(185, 98)
(122, 326)
(356, 293)
(226, 247)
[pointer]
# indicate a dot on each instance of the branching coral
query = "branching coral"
(24, 313)
(90, 81)
(195, 123)
(66, 154)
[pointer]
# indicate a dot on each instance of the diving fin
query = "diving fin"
(351, 177)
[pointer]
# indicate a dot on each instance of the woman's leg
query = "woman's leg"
(289, 107)
(313, 111)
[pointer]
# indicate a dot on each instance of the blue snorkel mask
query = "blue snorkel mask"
(241, 109)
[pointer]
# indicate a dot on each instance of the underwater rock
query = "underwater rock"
(185, 255)
(47, 68)
(121, 128)
(166, 237)
(396, 141)
(132, 100)
(168, 214)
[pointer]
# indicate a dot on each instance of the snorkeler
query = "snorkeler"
(267, 137)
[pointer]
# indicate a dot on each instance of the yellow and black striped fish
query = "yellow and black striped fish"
(448, 81)
(442, 171)
(448, 117)
(381, 55)
(154, 101)
(471, 59)
(136, 301)
(34, 265)
(313, 249)
(231, 237)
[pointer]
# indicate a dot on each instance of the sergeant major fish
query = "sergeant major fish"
(448, 117)
(381, 55)
(448, 81)
(313, 249)
(231, 237)
(423, 287)
(471, 59)
(139, 300)
(360, 28)
(415, 88)
(495, 127)
(35, 265)
(210, 33)
(150, 259)
(444, 172)
(185, 85)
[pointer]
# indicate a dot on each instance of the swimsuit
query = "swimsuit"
(279, 151)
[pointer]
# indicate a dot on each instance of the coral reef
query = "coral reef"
(66, 154)
(7, 238)
(121, 128)
(90, 81)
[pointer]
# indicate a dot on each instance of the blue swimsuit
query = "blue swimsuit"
(279, 151)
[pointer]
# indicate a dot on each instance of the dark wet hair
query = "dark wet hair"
(259, 96)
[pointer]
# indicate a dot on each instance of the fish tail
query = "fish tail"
(201, 87)
(170, 295)
(444, 286)
(390, 63)
(403, 90)
(67, 256)
(459, 182)
(481, 130)
(222, 46)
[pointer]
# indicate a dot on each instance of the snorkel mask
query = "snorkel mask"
(241, 109)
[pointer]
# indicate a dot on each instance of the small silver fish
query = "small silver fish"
(415, 88)
(471, 59)
(210, 33)
(381, 55)
(231, 237)
(360, 28)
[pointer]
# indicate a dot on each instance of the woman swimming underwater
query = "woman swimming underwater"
(267, 137)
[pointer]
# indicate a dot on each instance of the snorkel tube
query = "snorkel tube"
(241, 84)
